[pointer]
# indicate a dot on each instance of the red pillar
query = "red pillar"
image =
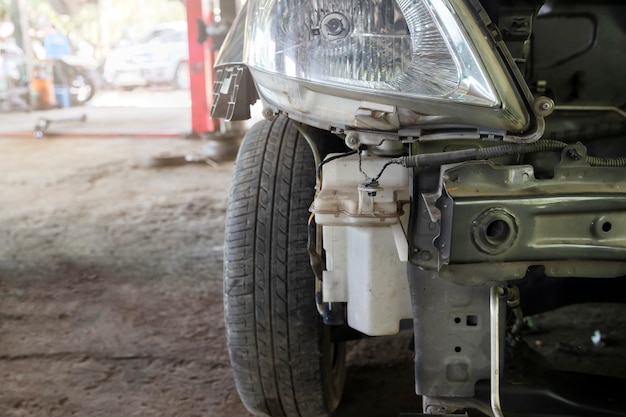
(201, 59)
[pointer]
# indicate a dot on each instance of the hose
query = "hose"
(443, 158)
(606, 162)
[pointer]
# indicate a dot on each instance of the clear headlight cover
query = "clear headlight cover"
(411, 48)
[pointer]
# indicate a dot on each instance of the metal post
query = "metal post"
(201, 58)
(494, 301)
(26, 41)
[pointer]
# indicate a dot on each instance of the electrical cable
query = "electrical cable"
(443, 158)
(332, 158)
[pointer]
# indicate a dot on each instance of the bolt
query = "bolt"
(352, 140)
(544, 105)
(574, 155)
(425, 255)
(268, 114)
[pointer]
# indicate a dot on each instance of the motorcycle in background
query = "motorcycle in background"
(74, 74)
(80, 75)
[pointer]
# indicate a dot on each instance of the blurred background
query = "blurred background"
(94, 27)
(61, 53)
(77, 60)
(54, 53)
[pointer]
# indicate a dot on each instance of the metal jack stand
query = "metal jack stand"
(42, 125)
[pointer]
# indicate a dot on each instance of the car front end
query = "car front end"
(464, 177)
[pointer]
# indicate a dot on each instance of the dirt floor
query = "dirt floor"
(111, 288)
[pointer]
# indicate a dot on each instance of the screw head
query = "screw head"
(426, 255)
(574, 155)
(352, 140)
(268, 114)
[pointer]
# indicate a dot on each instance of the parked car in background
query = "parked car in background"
(162, 58)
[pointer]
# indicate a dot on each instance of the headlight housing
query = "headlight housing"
(393, 47)
(432, 61)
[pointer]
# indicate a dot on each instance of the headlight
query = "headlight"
(410, 48)
(421, 55)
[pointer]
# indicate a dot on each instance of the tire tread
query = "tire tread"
(273, 336)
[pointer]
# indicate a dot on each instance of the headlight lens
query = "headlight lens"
(411, 48)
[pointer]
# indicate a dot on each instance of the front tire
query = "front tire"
(283, 360)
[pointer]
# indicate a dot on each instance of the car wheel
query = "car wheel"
(283, 360)
(181, 76)
(82, 89)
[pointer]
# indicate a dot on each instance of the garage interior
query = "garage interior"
(111, 267)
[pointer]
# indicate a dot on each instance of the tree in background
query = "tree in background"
(99, 23)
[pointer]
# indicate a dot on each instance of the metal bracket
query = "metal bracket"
(494, 314)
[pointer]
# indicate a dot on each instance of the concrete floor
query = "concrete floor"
(149, 112)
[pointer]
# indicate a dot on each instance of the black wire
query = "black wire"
(390, 162)
(332, 158)
(481, 153)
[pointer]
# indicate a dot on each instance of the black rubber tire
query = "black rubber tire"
(282, 357)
